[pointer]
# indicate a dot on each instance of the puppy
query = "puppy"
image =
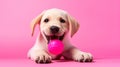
(56, 24)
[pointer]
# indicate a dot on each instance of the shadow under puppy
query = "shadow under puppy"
(56, 24)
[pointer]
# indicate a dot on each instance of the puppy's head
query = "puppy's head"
(55, 24)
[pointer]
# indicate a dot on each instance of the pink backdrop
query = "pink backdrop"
(99, 32)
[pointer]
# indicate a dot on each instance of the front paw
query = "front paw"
(41, 57)
(83, 57)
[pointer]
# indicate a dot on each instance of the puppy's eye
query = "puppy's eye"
(62, 20)
(46, 20)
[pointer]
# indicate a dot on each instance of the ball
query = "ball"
(55, 47)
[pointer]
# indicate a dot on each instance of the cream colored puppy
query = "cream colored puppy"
(56, 24)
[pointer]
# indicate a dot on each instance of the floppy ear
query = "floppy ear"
(73, 25)
(36, 21)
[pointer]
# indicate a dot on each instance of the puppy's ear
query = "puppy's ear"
(73, 25)
(36, 21)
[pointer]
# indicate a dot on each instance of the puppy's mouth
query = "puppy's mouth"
(53, 37)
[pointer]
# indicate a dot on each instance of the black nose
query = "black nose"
(54, 29)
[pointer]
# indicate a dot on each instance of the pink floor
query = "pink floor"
(29, 63)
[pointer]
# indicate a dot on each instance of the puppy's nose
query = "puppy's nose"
(54, 29)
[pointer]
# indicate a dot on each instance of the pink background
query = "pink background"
(99, 19)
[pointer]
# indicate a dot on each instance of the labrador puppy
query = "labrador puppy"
(56, 24)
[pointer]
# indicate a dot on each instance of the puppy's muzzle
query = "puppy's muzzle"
(49, 38)
(54, 29)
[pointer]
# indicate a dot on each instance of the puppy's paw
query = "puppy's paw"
(83, 57)
(41, 57)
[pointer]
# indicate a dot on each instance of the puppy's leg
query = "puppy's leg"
(38, 54)
(77, 55)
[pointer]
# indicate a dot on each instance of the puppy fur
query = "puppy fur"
(67, 25)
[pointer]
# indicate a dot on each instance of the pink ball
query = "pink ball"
(55, 47)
